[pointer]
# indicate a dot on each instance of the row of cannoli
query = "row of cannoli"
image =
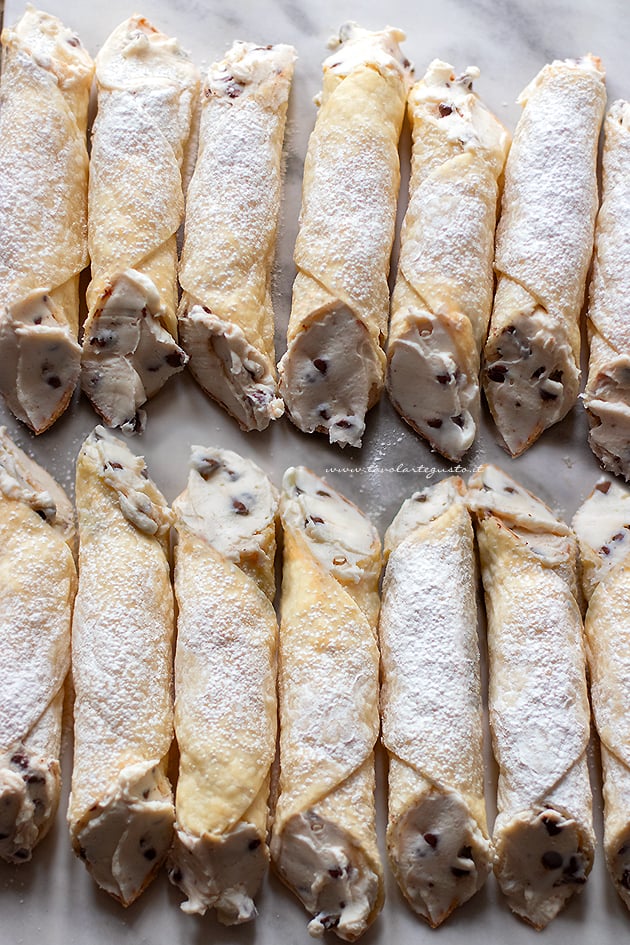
(450, 330)
(236, 675)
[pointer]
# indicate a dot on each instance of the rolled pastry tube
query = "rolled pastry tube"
(607, 394)
(44, 94)
(437, 834)
(226, 319)
(147, 92)
(333, 370)
(225, 682)
(324, 839)
(37, 588)
(121, 808)
(543, 250)
(443, 294)
(602, 525)
(538, 704)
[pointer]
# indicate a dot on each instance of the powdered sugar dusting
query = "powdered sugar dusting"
(552, 168)
(431, 696)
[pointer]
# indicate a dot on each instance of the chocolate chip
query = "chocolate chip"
(431, 839)
(539, 371)
(329, 921)
(573, 866)
(239, 507)
(325, 495)
(74, 41)
(20, 760)
(342, 905)
(458, 421)
(175, 358)
(145, 794)
(53, 381)
(324, 414)
(21, 854)
(618, 537)
(321, 365)
(115, 465)
(444, 109)
(41, 513)
(338, 560)
(335, 873)
(176, 876)
(510, 489)
(421, 498)
(37, 320)
(434, 424)
(316, 520)
(206, 467)
(253, 844)
(555, 376)
(344, 424)
(456, 871)
(604, 550)
(551, 826)
(103, 339)
(232, 90)
(497, 373)
(547, 395)
(603, 487)
(625, 879)
(443, 378)
(551, 860)
(149, 854)
(34, 779)
(465, 853)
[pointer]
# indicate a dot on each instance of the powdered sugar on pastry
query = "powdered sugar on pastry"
(607, 394)
(544, 246)
(46, 81)
(226, 317)
(147, 88)
(443, 294)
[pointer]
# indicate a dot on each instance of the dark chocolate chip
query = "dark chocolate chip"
(316, 520)
(115, 465)
(618, 537)
(324, 414)
(421, 498)
(176, 876)
(604, 550)
(551, 860)
(456, 871)
(145, 794)
(207, 466)
(321, 365)
(175, 358)
(443, 378)
(510, 489)
(434, 424)
(465, 853)
(20, 760)
(149, 854)
(329, 921)
(54, 381)
(458, 421)
(572, 867)
(603, 487)
(74, 41)
(344, 424)
(41, 513)
(547, 395)
(253, 844)
(555, 376)
(335, 873)
(37, 320)
(551, 826)
(239, 507)
(539, 371)
(431, 839)
(325, 495)
(444, 109)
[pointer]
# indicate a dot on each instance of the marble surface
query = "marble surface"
(52, 900)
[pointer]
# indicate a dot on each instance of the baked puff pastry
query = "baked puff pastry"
(324, 839)
(538, 703)
(37, 588)
(437, 835)
(602, 525)
(44, 94)
(225, 682)
(333, 370)
(607, 393)
(147, 92)
(543, 250)
(443, 294)
(121, 808)
(226, 320)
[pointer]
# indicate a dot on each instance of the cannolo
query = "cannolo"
(602, 525)
(544, 246)
(44, 94)
(324, 840)
(147, 91)
(37, 588)
(226, 321)
(121, 809)
(333, 370)
(437, 835)
(607, 394)
(443, 294)
(538, 704)
(225, 682)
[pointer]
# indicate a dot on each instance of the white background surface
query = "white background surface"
(52, 900)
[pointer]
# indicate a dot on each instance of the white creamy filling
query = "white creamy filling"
(129, 832)
(220, 872)
(128, 355)
(442, 857)
(602, 523)
(29, 792)
(339, 535)
(140, 501)
(328, 377)
(528, 379)
(229, 502)
(540, 863)
(429, 388)
(230, 369)
(620, 867)
(607, 402)
(328, 874)
(246, 64)
(40, 363)
(491, 489)
(356, 47)
(421, 508)
(13, 485)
